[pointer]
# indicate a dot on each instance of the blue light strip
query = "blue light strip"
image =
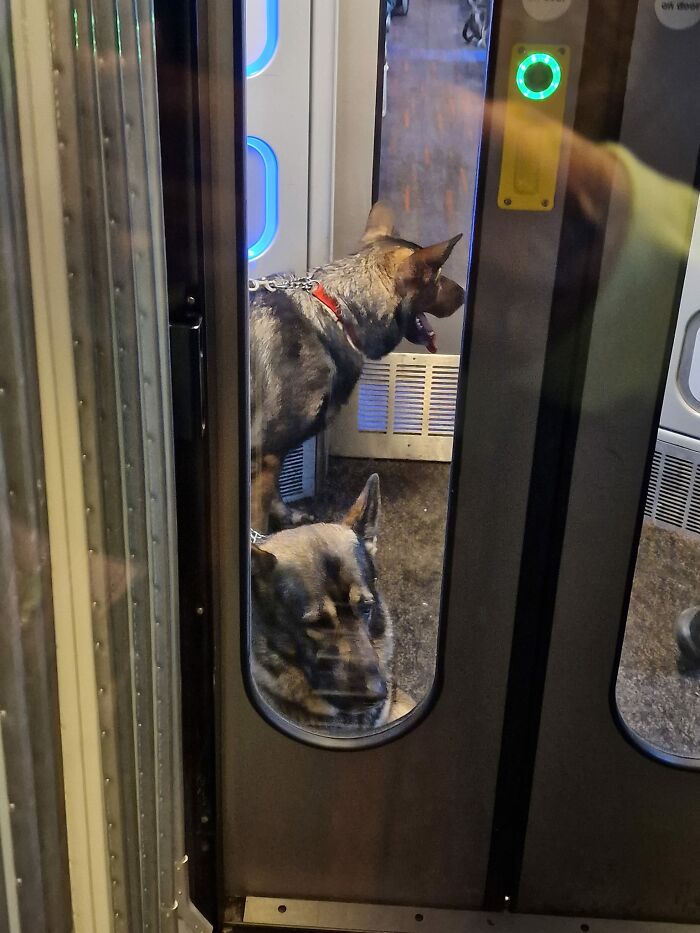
(271, 38)
(271, 194)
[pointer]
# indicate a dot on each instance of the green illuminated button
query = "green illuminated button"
(538, 76)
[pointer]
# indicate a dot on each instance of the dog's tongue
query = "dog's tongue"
(419, 331)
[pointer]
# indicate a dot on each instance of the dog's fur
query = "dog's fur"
(322, 636)
(303, 367)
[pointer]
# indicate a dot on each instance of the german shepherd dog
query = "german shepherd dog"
(307, 348)
(322, 636)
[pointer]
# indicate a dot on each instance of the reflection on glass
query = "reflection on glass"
(344, 361)
(658, 685)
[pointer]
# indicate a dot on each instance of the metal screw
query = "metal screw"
(507, 202)
(545, 203)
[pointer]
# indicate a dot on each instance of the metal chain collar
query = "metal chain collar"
(282, 282)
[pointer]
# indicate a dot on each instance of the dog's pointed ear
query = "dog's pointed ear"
(379, 223)
(363, 515)
(261, 562)
(436, 256)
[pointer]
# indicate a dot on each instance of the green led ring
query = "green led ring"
(538, 58)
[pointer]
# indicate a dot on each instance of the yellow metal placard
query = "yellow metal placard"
(537, 83)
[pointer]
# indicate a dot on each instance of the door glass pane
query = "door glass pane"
(658, 685)
(354, 370)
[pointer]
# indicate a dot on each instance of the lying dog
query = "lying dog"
(307, 347)
(322, 637)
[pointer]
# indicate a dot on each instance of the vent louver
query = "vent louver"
(298, 474)
(403, 408)
(673, 495)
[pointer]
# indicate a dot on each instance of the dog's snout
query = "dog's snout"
(377, 689)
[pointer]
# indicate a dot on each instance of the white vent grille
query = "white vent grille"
(409, 399)
(673, 496)
(373, 398)
(443, 401)
(298, 474)
(403, 408)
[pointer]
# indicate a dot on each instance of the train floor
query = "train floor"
(657, 700)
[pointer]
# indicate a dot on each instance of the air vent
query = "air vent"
(373, 398)
(673, 496)
(653, 484)
(298, 475)
(443, 401)
(402, 408)
(409, 399)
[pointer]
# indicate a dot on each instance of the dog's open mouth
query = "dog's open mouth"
(420, 332)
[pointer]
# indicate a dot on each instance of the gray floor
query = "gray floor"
(658, 701)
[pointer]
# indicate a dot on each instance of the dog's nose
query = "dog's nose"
(376, 689)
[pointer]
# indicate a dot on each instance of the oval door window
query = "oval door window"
(262, 34)
(689, 374)
(656, 688)
(262, 191)
(353, 389)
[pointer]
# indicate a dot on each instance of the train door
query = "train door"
(350, 567)
(449, 805)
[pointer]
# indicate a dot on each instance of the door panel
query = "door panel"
(370, 825)
(612, 831)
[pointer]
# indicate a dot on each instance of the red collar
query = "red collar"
(331, 305)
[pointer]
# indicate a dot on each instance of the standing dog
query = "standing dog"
(307, 348)
(321, 635)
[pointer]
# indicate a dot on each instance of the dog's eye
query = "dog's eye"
(365, 610)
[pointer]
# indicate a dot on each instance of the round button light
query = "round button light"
(538, 76)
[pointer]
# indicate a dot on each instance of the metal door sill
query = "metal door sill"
(296, 914)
